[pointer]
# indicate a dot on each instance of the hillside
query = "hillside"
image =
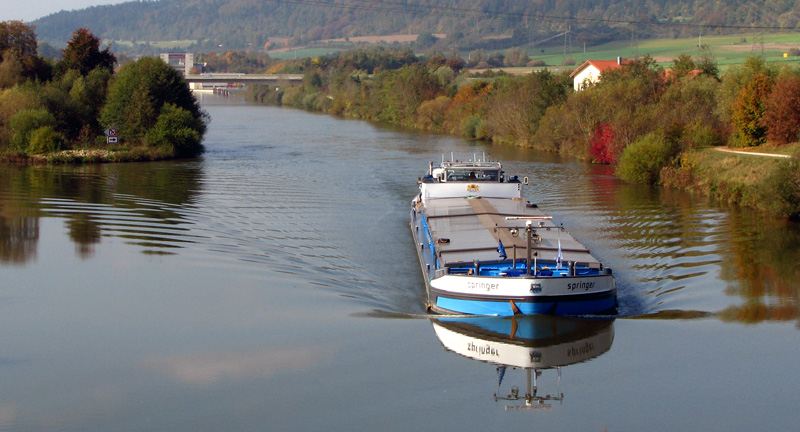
(239, 24)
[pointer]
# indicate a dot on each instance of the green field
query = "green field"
(727, 50)
(304, 52)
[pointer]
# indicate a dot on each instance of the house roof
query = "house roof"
(600, 65)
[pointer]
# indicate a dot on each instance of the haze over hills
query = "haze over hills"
(239, 24)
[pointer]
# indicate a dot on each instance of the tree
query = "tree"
(138, 94)
(518, 104)
(644, 71)
(689, 105)
(177, 131)
(683, 65)
(735, 80)
(404, 90)
(19, 40)
(782, 113)
(748, 109)
(83, 54)
(11, 71)
(425, 40)
(706, 63)
(455, 63)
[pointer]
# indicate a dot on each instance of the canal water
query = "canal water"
(273, 285)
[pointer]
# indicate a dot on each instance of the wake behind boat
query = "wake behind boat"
(485, 251)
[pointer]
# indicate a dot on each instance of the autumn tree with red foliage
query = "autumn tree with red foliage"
(602, 145)
(782, 115)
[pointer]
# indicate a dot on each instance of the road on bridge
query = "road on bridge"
(233, 78)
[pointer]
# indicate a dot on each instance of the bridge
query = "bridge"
(212, 80)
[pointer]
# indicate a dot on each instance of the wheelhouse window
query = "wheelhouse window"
(470, 174)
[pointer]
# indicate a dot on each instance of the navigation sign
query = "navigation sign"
(111, 135)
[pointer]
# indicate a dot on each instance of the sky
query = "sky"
(29, 10)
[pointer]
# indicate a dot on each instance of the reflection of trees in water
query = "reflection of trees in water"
(85, 232)
(154, 191)
(765, 265)
(670, 241)
(674, 242)
(18, 238)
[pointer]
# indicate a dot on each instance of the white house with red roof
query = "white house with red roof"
(590, 71)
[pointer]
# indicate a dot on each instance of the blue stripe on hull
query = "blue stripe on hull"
(503, 308)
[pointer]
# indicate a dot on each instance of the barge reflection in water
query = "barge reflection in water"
(532, 343)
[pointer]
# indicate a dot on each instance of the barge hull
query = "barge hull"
(604, 303)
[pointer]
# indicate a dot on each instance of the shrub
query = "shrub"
(469, 126)
(265, 94)
(176, 131)
(44, 140)
(483, 130)
(25, 122)
(11, 103)
(642, 161)
(309, 101)
(782, 189)
(293, 96)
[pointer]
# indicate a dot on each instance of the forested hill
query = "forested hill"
(243, 23)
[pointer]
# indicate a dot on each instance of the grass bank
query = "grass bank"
(771, 184)
(78, 156)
